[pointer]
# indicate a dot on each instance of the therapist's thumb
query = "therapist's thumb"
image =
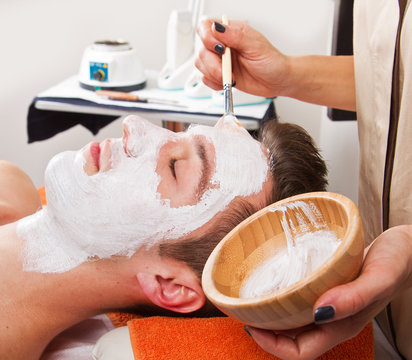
(370, 290)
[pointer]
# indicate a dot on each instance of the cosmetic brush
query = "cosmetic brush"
(227, 83)
(125, 96)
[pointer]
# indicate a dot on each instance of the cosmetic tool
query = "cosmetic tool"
(124, 96)
(227, 83)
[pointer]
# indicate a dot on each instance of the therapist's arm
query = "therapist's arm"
(386, 273)
(260, 69)
(322, 80)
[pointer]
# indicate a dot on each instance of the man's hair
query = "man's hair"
(296, 167)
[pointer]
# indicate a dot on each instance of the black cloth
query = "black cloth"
(44, 124)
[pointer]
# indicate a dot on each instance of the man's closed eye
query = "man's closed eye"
(172, 163)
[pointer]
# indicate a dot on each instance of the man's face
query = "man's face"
(183, 162)
(152, 184)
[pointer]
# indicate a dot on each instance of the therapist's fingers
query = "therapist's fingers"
(204, 30)
(383, 275)
(209, 58)
(210, 65)
(237, 35)
(306, 346)
(310, 343)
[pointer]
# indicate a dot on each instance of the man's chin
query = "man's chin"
(62, 168)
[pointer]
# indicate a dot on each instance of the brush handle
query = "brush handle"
(226, 60)
(119, 95)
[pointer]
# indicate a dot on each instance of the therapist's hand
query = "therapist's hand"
(258, 67)
(386, 272)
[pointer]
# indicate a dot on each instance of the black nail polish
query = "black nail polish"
(219, 27)
(324, 314)
(247, 330)
(219, 48)
(234, 83)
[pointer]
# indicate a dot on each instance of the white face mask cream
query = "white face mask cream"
(305, 252)
(118, 211)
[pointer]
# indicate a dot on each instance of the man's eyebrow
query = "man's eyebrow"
(205, 170)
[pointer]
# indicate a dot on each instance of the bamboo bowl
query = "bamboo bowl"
(259, 237)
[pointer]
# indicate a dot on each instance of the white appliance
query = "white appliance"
(179, 51)
(180, 48)
(111, 65)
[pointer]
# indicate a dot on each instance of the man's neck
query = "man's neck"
(36, 307)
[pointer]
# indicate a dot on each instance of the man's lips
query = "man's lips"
(95, 154)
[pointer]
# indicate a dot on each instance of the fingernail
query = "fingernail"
(219, 27)
(247, 330)
(324, 313)
(234, 83)
(219, 48)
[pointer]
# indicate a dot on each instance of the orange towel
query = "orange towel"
(42, 193)
(223, 338)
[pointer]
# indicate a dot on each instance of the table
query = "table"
(67, 104)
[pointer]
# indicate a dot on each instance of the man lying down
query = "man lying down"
(130, 222)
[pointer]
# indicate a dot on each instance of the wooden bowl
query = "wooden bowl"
(260, 237)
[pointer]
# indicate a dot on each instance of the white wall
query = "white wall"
(42, 42)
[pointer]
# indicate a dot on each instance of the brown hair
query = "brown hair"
(295, 166)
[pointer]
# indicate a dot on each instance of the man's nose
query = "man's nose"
(140, 135)
(134, 125)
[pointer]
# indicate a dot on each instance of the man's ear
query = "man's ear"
(179, 295)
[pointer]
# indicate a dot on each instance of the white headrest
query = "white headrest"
(114, 345)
